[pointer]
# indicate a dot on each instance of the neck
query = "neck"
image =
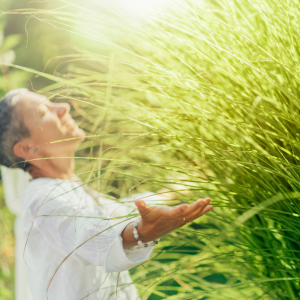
(60, 168)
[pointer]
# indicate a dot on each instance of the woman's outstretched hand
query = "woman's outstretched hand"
(157, 221)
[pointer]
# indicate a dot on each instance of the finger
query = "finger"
(196, 207)
(199, 207)
(178, 210)
(200, 203)
(204, 211)
(207, 209)
(141, 206)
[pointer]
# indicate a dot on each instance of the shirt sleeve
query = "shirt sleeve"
(115, 259)
(86, 235)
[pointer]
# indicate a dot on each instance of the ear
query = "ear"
(23, 150)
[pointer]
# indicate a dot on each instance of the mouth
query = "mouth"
(70, 123)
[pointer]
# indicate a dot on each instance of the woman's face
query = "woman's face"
(48, 122)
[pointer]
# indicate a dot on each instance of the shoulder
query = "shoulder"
(46, 194)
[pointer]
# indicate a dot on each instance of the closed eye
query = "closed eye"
(39, 112)
(44, 110)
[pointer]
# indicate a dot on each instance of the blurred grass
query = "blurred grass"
(7, 251)
(9, 79)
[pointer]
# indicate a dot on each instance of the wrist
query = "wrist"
(129, 240)
(143, 232)
(140, 240)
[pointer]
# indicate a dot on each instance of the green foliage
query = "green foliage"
(205, 96)
(6, 251)
(9, 79)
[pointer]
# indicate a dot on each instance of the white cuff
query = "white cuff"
(117, 260)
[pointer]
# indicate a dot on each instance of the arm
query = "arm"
(157, 221)
(87, 237)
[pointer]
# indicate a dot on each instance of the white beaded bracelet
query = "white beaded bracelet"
(136, 235)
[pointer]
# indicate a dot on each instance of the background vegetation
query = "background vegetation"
(201, 98)
(6, 251)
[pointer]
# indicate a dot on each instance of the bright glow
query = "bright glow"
(141, 8)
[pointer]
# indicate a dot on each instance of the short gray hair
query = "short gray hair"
(12, 130)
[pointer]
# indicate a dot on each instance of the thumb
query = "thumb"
(141, 206)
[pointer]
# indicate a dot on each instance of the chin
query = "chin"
(76, 134)
(79, 133)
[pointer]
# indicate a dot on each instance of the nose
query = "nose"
(62, 109)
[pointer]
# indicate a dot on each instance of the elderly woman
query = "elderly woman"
(76, 248)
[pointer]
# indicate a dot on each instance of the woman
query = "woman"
(76, 246)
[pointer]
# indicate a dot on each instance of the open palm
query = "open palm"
(157, 221)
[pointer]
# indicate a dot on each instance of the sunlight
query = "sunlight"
(142, 8)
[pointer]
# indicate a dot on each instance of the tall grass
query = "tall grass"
(205, 95)
(6, 251)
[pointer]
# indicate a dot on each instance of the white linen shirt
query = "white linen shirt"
(58, 216)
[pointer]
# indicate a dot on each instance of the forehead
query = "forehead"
(28, 102)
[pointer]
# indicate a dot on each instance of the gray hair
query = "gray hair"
(12, 130)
